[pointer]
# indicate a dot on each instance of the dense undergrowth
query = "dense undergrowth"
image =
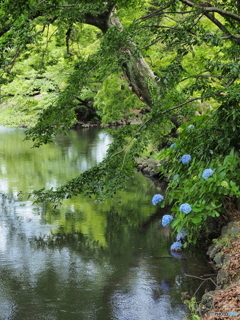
(202, 166)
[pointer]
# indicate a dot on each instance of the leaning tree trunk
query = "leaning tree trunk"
(136, 70)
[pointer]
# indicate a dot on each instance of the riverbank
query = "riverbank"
(224, 254)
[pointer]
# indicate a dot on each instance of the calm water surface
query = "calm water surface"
(85, 260)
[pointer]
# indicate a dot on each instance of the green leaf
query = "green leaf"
(196, 219)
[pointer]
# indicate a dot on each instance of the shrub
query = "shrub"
(208, 190)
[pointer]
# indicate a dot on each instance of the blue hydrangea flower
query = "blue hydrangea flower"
(166, 219)
(176, 254)
(176, 246)
(207, 173)
(181, 236)
(172, 145)
(186, 158)
(190, 128)
(157, 198)
(185, 208)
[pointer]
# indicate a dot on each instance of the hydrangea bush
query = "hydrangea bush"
(208, 175)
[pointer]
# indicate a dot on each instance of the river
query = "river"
(84, 260)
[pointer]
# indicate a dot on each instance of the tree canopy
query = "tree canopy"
(178, 58)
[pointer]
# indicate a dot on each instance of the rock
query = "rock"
(233, 229)
(206, 303)
(225, 254)
(222, 278)
(148, 167)
(218, 259)
(213, 250)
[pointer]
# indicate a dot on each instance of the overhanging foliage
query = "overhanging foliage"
(178, 58)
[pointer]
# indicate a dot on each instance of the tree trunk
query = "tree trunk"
(136, 70)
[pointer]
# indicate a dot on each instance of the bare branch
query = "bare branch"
(38, 32)
(218, 24)
(67, 5)
(200, 278)
(238, 5)
(166, 27)
(39, 3)
(206, 76)
(206, 11)
(227, 14)
(160, 12)
(180, 105)
(16, 55)
(68, 35)
(230, 83)
(155, 13)
(222, 12)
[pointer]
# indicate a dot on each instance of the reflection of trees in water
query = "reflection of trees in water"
(50, 165)
(101, 252)
(73, 273)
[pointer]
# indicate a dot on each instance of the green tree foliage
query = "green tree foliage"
(114, 99)
(177, 57)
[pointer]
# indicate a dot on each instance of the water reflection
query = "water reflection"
(85, 260)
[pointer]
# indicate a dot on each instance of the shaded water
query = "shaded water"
(85, 260)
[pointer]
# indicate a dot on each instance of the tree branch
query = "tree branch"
(155, 13)
(166, 27)
(206, 11)
(207, 76)
(180, 105)
(230, 82)
(68, 35)
(220, 25)
(123, 149)
(150, 119)
(238, 5)
(222, 12)
(204, 280)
